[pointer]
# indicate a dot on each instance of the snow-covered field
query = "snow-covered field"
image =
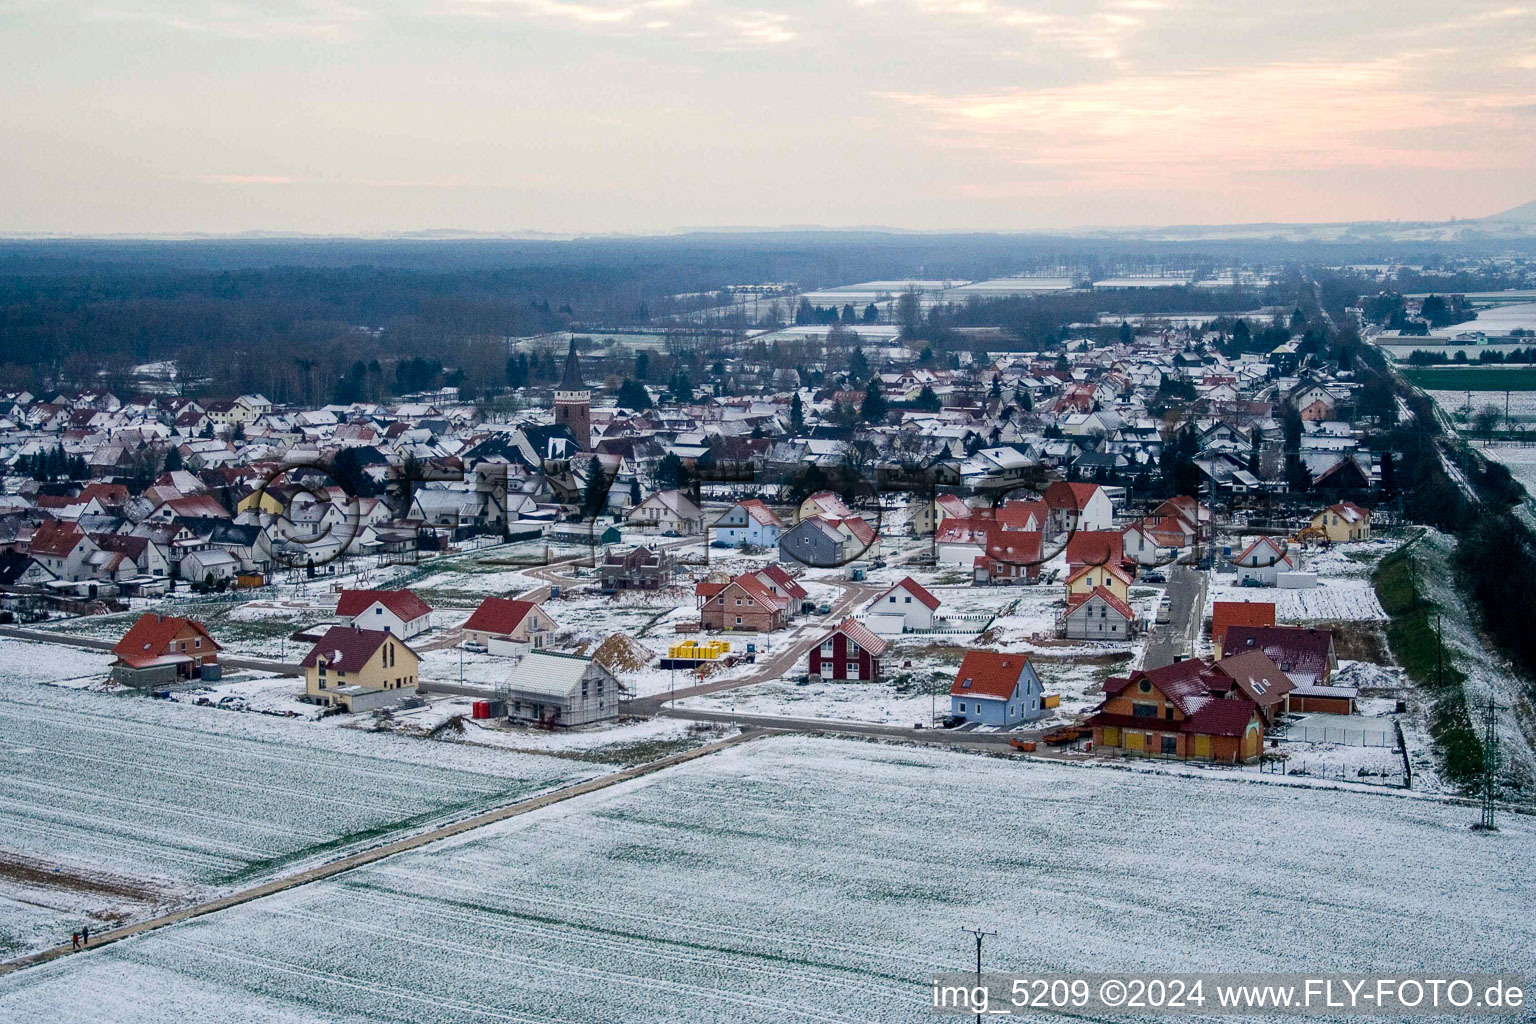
(1520, 460)
(796, 879)
(184, 800)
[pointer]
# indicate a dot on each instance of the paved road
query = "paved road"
(773, 723)
(1186, 589)
(336, 867)
(781, 662)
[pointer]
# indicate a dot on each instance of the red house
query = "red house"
(162, 648)
(850, 652)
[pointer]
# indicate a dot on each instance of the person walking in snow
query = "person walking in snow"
(75, 938)
(85, 935)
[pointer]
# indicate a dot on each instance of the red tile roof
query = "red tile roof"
(1096, 547)
(55, 538)
(149, 638)
(914, 588)
(785, 581)
(1259, 678)
(1103, 593)
(406, 605)
(988, 674)
(497, 615)
(860, 634)
(1302, 653)
(1066, 494)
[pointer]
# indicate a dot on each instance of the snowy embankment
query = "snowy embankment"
(795, 879)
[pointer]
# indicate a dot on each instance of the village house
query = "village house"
(1098, 614)
(62, 549)
(828, 542)
(1010, 557)
(1172, 712)
(997, 689)
(399, 612)
(161, 649)
(906, 601)
(1264, 560)
(1308, 658)
(1078, 506)
(560, 690)
(747, 523)
(1108, 577)
(670, 512)
(850, 652)
(933, 514)
(500, 621)
(744, 603)
(359, 669)
(1343, 522)
(639, 568)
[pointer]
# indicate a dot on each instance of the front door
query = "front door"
(1202, 746)
(1133, 740)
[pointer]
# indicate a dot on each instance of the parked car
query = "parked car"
(1164, 610)
(824, 609)
(1252, 581)
(1153, 577)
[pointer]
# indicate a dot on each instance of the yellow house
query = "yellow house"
(1090, 577)
(262, 500)
(359, 669)
(1343, 522)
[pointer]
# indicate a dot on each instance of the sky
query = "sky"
(638, 116)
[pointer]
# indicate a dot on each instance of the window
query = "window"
(1168, 712)
(960, 708)
(1144, 710)
(1146, 686)
(909, 600)
(826, 649)
(378, 611)
(1170, 744)
(853, 670)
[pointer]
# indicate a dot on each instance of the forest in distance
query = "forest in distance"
(293, 318)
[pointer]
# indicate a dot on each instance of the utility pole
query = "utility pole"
(979, 934)
(1439, 653)
(1490, 764)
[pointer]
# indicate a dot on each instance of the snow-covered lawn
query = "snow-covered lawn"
(190, 800)
(796, 879)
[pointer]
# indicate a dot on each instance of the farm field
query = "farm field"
(802, 879)
(149, 803)
(1473, 378)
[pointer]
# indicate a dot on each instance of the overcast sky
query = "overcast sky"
(364, 116)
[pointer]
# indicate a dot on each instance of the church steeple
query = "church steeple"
(573, 401)
(572, 380)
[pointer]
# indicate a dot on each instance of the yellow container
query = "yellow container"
(1052, 700)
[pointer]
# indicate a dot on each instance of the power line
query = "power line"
(980, 935)
(1490, 764)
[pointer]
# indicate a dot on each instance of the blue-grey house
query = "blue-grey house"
(998, 689)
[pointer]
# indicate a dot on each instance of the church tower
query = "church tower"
(573, 401)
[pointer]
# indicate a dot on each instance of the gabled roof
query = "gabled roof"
(759, 513)
(1096, 547)
(775, 572)
(551, 674)
(1104, 594)
(348, 648)
(1016, 547)
(860, 634)
(1282, 554)
(149, 638)
(406, 605)
(912, 587)
(1345, 510)
(498, 615)
(1068, 494)
(56, 538)
(990, 674)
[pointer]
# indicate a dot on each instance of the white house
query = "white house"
(908, 600)
(668, 512)
(748, 522)
(398, 612)
(1264, 560)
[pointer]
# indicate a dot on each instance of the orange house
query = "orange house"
(1173, 712)
(164, 647)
